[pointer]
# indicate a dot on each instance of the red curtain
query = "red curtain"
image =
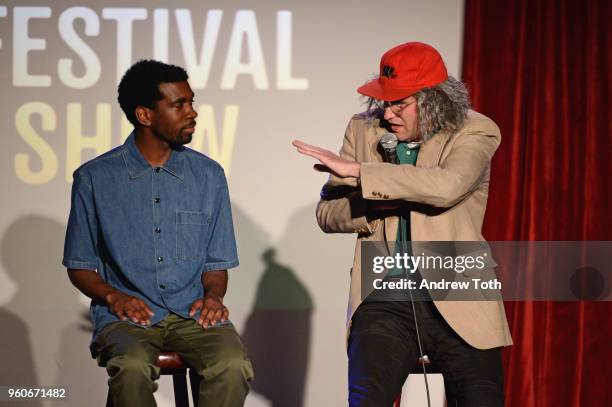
(542, 70)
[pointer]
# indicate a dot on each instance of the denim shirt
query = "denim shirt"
(150, 231)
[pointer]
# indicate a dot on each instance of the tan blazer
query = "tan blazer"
(451, 179)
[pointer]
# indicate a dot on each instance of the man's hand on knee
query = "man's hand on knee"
(125, 306)
(212, 310)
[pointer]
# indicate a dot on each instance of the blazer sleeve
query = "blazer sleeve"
(342, 208)
(461, 172)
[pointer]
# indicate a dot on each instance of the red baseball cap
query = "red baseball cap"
(404, 70)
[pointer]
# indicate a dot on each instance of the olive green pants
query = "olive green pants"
(216, 354)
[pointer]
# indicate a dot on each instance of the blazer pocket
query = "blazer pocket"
(191, 228)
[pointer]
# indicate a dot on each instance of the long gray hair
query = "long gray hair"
(442, 107)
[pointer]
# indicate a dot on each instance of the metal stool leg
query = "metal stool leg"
(194, 380)
(109, 400)
(181, 398)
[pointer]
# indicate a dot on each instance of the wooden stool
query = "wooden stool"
(172, 364)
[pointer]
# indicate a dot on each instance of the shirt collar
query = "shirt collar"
(138, 166)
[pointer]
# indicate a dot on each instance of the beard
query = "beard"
(177, 141)
(183, 138)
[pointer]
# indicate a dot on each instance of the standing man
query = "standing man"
(438, 193)
(149, 240)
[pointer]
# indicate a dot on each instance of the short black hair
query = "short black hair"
(140, 85)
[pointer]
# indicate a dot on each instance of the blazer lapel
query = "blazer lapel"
(430, 151)
(391, 223)
(373, 141)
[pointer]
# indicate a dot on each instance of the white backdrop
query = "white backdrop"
(264, 73)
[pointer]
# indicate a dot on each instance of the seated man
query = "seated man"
(149, 240)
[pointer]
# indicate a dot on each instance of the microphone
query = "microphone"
(388, 143)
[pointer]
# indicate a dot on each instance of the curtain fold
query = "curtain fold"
(541, 70)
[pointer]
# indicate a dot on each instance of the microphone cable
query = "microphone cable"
(423, 358)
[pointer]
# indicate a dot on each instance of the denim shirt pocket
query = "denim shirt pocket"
(191, 230)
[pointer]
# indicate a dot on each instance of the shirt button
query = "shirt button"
(157, 169)
(163, 287)
(160, 259)
(156, 200)
(157, 230)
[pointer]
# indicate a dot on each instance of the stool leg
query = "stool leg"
(181, 397)
(109, 400)
(194, 380)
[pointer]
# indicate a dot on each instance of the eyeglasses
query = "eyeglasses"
(396, 106)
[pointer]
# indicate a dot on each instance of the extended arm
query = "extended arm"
(342, 208)
(462, 170)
